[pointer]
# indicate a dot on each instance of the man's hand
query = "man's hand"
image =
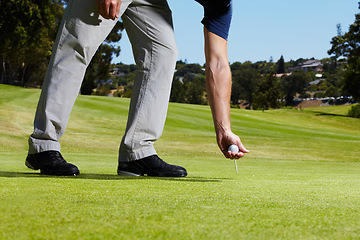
(109, 9)
(225, 139)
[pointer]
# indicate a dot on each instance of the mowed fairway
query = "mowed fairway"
(301, 179)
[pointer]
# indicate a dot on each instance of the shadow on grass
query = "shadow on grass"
(96, 176)
(329, 114)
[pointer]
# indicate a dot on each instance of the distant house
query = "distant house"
(312, 64)
(116, 72)
(279, 75)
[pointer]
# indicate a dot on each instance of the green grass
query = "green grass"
(301, 179)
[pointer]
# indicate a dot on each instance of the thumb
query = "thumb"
(242, 148)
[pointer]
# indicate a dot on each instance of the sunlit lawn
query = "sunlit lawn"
(301, 179)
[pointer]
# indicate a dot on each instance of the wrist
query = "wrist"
(221, 128)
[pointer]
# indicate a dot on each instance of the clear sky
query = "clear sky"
(261, 29)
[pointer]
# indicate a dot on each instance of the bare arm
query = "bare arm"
(109, 9)
(218, 87)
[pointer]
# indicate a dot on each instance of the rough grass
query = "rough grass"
(300, 181)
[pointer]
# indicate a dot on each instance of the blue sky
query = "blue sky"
(261, 29)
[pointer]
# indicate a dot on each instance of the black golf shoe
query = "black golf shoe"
(51, 163)
(150, 166)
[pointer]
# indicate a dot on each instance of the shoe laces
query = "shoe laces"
(155, 163)
(56, 157)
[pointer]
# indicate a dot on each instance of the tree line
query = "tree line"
(28, 29)
(27, 33)
(255, 84)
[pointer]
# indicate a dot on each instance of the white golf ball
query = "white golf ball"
(234, 148)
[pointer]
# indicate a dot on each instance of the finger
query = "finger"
(233, 155)
(237, 155)
(117, 11)
(227, 153)
(101, 8)
(105, 9)
(98, 5)
(112, 12)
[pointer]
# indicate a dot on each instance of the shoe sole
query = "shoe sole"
(126, 173)
(30, 166)
(156, 174)
(49, 172)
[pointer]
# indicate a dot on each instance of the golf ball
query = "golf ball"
(234, 148)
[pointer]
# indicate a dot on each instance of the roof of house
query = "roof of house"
(311, 63)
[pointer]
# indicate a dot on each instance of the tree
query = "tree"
(267, 94)
(177, 91)
(280, 65)
(196, 90)
(348, 45)
(264, 67)
(27, 32)
(244, 82)
(292, 84)
(188, 84)
(183, 69)
(332, 92)
(189, 89)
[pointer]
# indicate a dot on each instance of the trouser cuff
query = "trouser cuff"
(136, 155)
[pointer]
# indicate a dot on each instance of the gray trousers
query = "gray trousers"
(148, 24)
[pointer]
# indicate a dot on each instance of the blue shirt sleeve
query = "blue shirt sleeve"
(217, 16)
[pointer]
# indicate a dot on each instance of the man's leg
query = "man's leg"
(148, 24)
(149, 27)
(81, 32)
